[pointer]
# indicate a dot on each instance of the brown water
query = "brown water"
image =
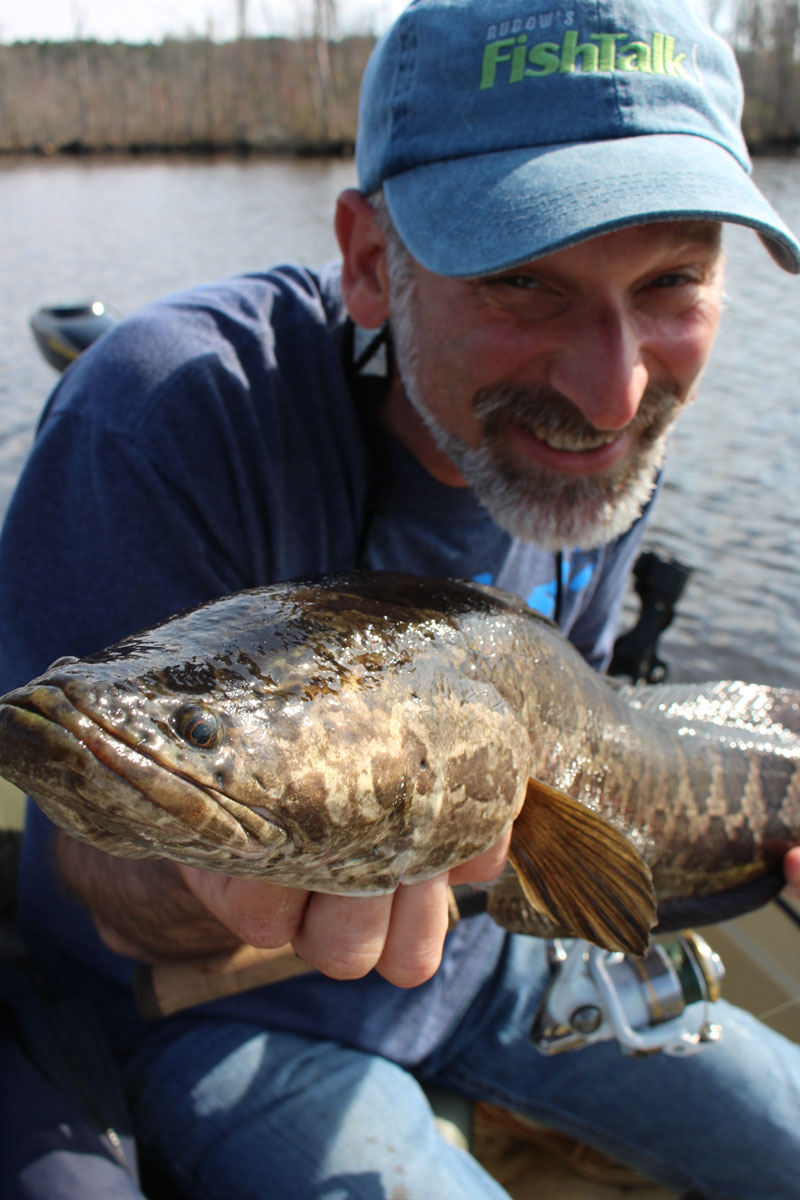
(129, 230)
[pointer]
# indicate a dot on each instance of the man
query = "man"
(538, 229)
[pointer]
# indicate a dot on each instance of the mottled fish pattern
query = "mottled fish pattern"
(355, 732)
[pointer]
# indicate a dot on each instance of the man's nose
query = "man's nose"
(601, 368)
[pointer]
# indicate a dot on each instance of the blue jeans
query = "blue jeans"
(240, 1113)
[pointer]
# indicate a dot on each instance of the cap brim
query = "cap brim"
(474, 216)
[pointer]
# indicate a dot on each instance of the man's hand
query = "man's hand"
(791, 866)
(400, 935)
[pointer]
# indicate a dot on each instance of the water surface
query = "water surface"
(129, 230)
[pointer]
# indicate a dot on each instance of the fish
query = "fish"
(350, 733)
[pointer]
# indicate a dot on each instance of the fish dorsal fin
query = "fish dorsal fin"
(577, 869)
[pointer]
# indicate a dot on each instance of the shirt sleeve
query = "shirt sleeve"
(166, 471)
(106, 532)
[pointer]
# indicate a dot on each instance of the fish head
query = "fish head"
(318, 737)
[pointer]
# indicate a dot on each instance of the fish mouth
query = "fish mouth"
(85, 778)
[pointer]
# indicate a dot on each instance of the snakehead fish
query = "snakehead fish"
(351, 733)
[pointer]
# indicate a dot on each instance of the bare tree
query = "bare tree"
(325, 22)
(766, 36)
(241, 19)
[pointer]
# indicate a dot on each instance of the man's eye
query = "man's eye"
(519, 281)
(672, 279)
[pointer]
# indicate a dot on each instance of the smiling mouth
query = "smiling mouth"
(563, 440)
(566, 452)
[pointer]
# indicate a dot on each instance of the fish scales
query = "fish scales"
(352, 733)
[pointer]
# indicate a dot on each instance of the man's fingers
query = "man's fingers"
(401, 935)
(486, 866)
(413, 947)
(344, 936)
(791, 866)
(259, 913)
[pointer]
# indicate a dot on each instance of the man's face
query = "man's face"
(550, 388)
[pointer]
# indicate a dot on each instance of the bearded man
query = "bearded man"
(530, 285)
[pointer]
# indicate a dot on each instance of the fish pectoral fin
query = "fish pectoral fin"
(580, 871)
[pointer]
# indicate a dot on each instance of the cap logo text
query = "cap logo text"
(512, 59)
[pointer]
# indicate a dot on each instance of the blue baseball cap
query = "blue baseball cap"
(502, 130)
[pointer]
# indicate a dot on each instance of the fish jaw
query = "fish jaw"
(111, 794)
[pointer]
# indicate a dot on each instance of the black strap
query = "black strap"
(369, 389)
(559, 604)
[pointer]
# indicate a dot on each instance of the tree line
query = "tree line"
(766, 37)
(252, 94)
(276, 94)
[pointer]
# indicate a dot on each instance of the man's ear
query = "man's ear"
(365, 280)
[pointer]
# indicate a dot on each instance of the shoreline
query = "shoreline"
(338, 148)
(341, 148)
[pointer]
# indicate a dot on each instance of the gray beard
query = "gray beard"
(553, 510)
(534, 504)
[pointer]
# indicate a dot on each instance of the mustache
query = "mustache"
(544, 410)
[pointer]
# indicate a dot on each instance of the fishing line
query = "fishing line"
(787, 908)
(778, 1008)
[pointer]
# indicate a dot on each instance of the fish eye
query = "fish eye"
(198, 727)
